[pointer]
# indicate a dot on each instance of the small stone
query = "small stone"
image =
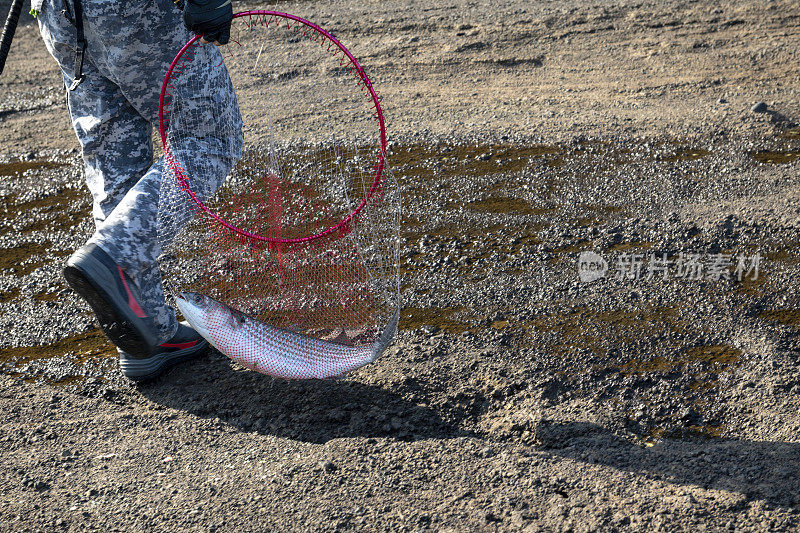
(167, 459)
(327, 466)
(722, 101)
(760, 107)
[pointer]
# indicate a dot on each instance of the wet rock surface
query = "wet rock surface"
(662, 395)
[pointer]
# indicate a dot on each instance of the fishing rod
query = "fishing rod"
(8, 31)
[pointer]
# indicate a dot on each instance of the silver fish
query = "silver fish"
(275, 351)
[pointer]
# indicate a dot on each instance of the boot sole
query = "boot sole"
(117, 319)
(138, 369)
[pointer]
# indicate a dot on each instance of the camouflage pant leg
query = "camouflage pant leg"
(130, 46)
(106, 124)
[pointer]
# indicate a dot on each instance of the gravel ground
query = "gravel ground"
(516, 397)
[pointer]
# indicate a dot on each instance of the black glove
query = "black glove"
(211, 18)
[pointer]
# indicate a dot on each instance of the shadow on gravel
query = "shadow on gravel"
(309, 411)
(767, 471)
(780, 119)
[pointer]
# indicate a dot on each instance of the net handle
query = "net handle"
(379, 167)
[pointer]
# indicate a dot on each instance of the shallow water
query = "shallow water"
(18, 168)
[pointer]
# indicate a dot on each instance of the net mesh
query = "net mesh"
(277, 206)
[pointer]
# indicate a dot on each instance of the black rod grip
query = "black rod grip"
(8, 31)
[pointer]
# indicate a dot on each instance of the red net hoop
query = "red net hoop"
(315, 34)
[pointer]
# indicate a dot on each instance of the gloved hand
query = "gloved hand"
(211, 18)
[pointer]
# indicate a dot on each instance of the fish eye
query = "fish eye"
(199, 298)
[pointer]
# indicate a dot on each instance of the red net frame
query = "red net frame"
(326, 40)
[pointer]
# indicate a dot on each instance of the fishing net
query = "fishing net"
(277, 205)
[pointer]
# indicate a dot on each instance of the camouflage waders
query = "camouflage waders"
(130, 45)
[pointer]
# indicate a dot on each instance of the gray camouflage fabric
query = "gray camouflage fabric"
(131, 44)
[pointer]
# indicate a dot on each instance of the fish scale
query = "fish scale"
(275, 351)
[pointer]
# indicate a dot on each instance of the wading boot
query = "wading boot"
(113, 297)
(184, 345)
